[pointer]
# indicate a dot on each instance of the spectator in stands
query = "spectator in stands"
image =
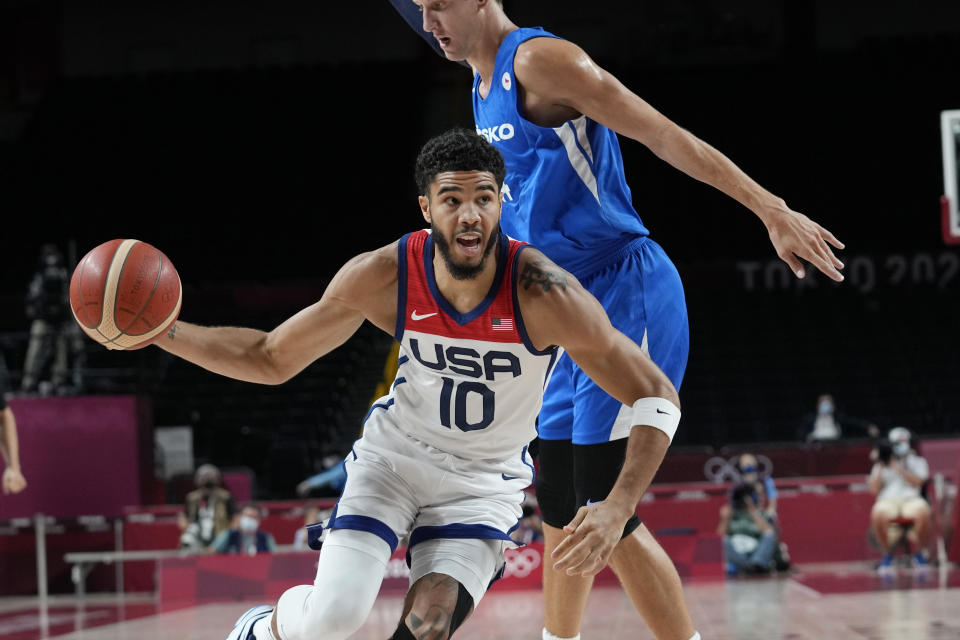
(750, 540)
(311, 515)
(53, 331)
(765, 496)
(827, 424)
(13, 480)
(897, 479)
(208, 510)
(329, 482)
(764, 489)
(247, 537)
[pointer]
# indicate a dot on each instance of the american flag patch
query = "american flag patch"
(501, 324)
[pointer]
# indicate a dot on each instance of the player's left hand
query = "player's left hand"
(796, 236)
(591, 537)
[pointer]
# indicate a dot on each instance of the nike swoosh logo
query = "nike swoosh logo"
(663, 412)
(417, 316)
(508, 478)
(590, 503)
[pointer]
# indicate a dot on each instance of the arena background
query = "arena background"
(260, 145)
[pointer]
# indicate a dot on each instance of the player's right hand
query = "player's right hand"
(796, 236)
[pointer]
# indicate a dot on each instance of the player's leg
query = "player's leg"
(448, 577)
(645, 570)
(644, 298)
(376, 508)
(349, 574)
(564, 597)
(650, 578)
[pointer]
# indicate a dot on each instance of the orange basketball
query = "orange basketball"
(125, 294)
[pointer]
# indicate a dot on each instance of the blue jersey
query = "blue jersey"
(565, 191)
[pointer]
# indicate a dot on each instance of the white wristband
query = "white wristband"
(657, 413)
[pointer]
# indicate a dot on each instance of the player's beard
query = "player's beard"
(462, 271)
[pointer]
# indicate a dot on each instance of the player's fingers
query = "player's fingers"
(577, 519)
(795, 265)
(594, 565)
(832, 239)
(574, 555)
(823, 260)
(578, 562)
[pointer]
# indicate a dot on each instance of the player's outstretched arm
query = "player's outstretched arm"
(557, 310)
(553, 71)
(364, 288)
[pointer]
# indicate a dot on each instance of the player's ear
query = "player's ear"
(425, 207)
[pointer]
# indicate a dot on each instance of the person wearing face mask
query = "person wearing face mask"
(246, 537)
(749, 523)
(827, 424)
(897, 479)
(208, 509)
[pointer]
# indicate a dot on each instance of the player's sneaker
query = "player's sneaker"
(920, 561)
(243, 629)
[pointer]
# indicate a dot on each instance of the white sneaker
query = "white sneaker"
(243, 629)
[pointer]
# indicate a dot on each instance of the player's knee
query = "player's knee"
(306, 613)
(439, 607)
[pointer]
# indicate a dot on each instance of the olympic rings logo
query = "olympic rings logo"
(520, 563)
(720, 470)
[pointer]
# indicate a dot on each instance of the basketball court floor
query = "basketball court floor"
(813, 602)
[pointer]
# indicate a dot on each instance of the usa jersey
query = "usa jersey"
(469, 384)
(565, 190)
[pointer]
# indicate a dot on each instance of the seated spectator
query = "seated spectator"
(828, 424)
(246, 537)
(765, 496)
(329, 482)
(749, 539)
(764, 489)
(897, 478)
(311, 515)
(208, 510)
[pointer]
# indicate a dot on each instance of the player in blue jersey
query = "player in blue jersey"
(555, 115)
(442, 461)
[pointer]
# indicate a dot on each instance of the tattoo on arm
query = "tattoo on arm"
(536, 272)
(173, 331)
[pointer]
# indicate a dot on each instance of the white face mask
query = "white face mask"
(826, 407)
(901, 448)
(248, 524)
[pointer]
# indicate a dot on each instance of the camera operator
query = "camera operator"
(749, 539)
(897, 479)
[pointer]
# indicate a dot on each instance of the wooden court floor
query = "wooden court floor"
(813, 602)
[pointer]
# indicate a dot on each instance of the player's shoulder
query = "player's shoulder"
(369, 271)
(545, 53)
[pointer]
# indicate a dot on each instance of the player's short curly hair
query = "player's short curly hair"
(457, 149)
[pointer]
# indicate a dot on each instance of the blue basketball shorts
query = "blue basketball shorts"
(643, 296)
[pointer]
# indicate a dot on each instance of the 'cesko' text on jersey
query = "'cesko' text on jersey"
(497, 133)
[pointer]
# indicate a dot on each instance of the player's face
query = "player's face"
(463, 209)
(453, 23)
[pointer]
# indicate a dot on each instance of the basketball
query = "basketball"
(125, 294)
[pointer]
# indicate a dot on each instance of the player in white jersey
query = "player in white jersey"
(442, 460)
